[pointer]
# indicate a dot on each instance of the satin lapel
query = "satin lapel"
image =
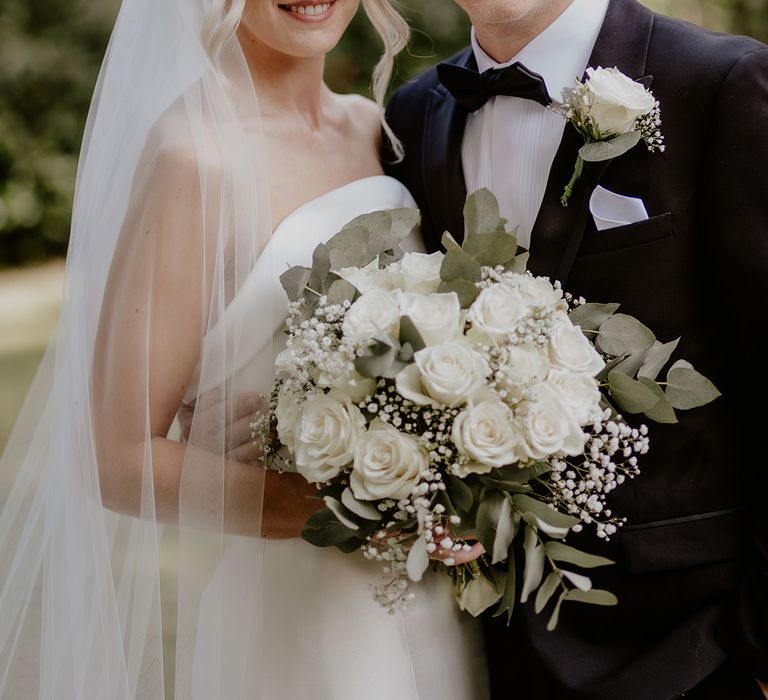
(558, 231)
(443, 170)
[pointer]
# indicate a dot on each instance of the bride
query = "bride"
(214, 158)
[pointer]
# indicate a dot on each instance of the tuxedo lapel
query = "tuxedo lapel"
(558, 231)
(443, 170)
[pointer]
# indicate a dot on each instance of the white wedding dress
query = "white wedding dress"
(317, 632)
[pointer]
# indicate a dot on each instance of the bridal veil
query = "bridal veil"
(171, 214)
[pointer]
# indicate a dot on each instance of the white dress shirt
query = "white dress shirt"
(510, 143)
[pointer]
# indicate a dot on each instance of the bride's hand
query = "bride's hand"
(289, 501)
(463, 556)
(207, 414)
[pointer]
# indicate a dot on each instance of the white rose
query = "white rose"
(288, 413)
(477, 596)
(370, 277)
(581, 391)
(450, 374)
(526, 364)
(570, 350)
(538, 291)
(373, 313)
(437, 317)
(616, 101)
(497, 311)
(421, 272)
(388, 464)
(353, 385)
(326, 436)
(487, 434)
(549, 426)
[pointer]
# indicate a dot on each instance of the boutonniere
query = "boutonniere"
(613, 113)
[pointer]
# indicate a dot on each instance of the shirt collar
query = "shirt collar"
(561, 52)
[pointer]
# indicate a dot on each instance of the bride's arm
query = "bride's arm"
(148, 345)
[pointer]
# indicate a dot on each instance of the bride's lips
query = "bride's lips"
(309, 10)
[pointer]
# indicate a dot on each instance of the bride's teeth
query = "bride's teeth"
(310, 10)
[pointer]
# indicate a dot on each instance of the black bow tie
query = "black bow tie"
(472, 89)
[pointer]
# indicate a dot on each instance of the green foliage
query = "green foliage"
(50, 51)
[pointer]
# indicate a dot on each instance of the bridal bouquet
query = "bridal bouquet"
(441, 399)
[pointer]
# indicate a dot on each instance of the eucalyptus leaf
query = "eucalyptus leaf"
(341, 513)
(687, 388)
(481, 213)
(350, 248)
(609, 367)
(520, 263)
(590, 316)
(630, 365)
(657, 357)
(555, 617)
(583, 583)
(449, 241)
(509, 596)
(460, 494)
(598, 151)
(505, 532)
(410, 334)
(418, 560)
(379, 360)
(663, 411)
(631, 395)
(323, 529)
(489, 513)
(495, 248)
(360, 508)
(341, 291)
(457, 265)
(624, 335)
(294, 281)
(540, 515)
(464, 289)
(534, 563)
(594, 596)
(321, 268)
(563, 552)
(544, 594)
(405, 222)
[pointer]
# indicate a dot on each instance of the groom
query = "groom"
(680, 238)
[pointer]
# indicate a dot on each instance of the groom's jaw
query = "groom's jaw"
(308, 11)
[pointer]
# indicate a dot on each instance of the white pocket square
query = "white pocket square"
(610, 210)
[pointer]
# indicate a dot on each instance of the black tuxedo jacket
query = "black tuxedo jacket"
(692, 563)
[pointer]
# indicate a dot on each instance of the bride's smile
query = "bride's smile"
(309, 11)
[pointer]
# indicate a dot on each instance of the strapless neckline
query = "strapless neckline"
(338, 193)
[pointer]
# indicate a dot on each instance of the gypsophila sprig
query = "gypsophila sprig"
(437, 400)
(613, 114)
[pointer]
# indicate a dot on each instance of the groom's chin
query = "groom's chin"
(501, 12)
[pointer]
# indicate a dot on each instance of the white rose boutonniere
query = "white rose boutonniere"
(613, 113)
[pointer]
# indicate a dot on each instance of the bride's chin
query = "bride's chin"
(309, 12)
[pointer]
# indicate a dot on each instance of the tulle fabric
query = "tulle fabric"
(171, 214)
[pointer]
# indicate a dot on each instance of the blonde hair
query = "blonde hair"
(223, 18)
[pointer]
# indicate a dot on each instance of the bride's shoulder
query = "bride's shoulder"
(362, 115)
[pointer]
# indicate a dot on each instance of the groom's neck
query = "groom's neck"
(504, 40)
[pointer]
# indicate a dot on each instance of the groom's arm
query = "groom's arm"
(737, 219)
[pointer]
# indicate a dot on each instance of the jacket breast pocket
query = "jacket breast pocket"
(653, 229)
(696, 540)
